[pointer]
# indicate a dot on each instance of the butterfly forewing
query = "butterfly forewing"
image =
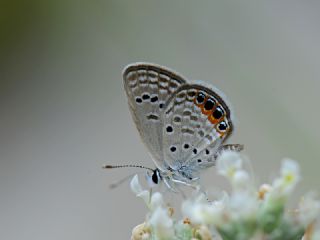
(196, 122)
(148, 88)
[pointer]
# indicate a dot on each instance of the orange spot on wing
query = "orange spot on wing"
(206, 112)
(222, 133)
(213, 120)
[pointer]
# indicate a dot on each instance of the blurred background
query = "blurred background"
(64, 112)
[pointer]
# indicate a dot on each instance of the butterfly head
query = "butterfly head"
(154, 177)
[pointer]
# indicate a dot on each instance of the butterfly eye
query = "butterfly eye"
(156, 177)
(218, 113)
(222, 126)
(209, 104)
(200, 98)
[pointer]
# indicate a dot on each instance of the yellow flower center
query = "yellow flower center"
(289, 178)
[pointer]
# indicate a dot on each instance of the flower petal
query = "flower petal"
(135, 185)
(228, 162)
(161, 224)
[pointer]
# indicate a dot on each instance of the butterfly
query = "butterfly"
(183, 124)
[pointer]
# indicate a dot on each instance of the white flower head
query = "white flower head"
(203, 233)
(290, 176)
(200, 211)
(141, 232)
(243, 204)
(156, 201)
(161, 224)
(138, 190)
(264, 190)
(241, 180)
(244, 214)
(228, 163)
(309, 209)
(290, 170)
(135, 185)
(151, 200)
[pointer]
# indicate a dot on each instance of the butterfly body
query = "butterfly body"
(182, 123)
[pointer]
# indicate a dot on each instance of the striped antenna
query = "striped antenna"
(118, 183)
(126, 166)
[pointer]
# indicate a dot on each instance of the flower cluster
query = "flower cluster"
(243, 214)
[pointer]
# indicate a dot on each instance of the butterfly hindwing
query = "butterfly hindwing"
(196, 122)
(148, 88)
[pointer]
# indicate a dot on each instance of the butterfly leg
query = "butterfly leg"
(228, 147)
(184, 183)
(176, 187)
(170, 185)
(181, 183)
(198, 188)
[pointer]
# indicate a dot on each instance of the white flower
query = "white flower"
(241, 180)
(151, 200)
(200, 211)
(309, 209)
(290, 176)
(244, 214)
(156, 201)
(137, 189)
(141, 232)
(263, 190)
(243, 204)
(161, 224)
(290, 171)
(203, 233)
(135, 185)
(228, 162)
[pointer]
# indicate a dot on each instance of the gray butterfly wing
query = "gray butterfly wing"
(148, 88)
(197, 122)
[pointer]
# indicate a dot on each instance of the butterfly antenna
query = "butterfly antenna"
(126, 166)
(121, 181)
